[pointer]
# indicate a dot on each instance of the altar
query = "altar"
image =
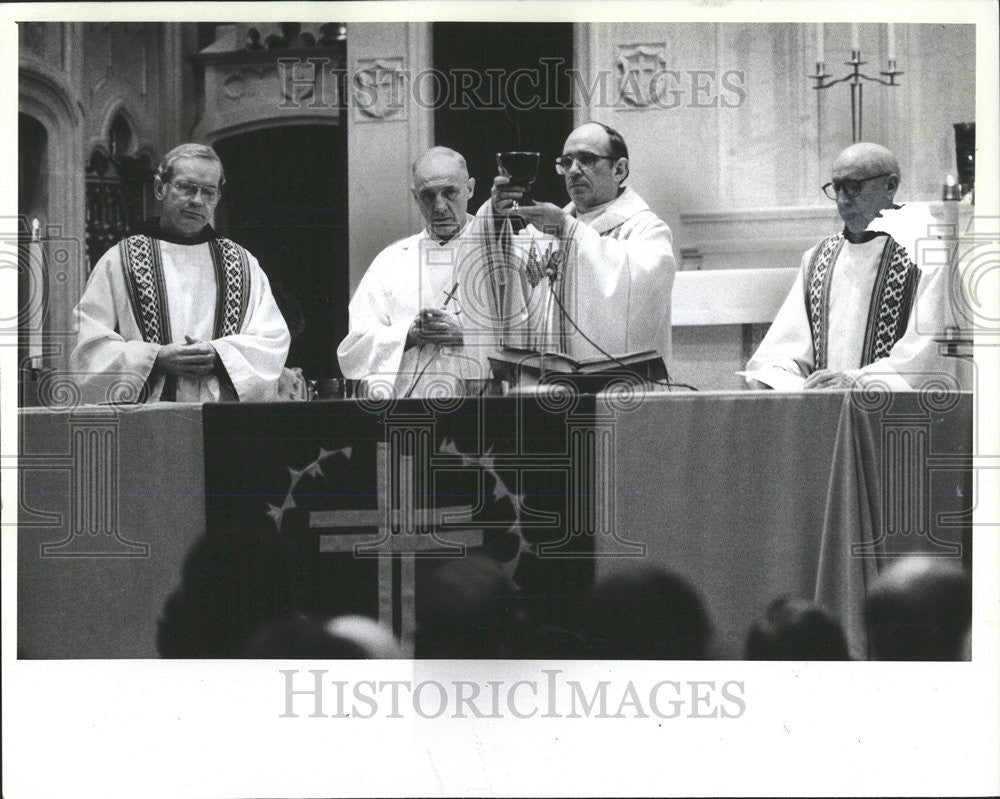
(747, 495)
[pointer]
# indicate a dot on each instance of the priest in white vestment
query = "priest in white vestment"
(608, 291)
(862, 311)
(176, 312)
(420, 319)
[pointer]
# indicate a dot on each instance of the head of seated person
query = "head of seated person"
(794, 629)
(919, 608)
(375, 640)
(469, 608)
(647, 613)
(298, 636)
(233, 582)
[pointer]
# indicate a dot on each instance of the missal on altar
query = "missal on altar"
(530, 367)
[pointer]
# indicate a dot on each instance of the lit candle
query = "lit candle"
(890, 34)
(950, 190)
(37, 271)
(819, 43)
(855, 37)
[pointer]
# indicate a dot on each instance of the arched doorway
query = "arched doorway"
(51, 189)
(285, 200)
(32, 290)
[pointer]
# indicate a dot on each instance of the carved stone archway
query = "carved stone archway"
(265, 75)
(47, 98)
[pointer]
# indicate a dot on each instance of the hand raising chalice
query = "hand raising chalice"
(521, 170)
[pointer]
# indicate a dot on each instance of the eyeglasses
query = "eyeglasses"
(584, 159)
(188, 191)
(850, 187)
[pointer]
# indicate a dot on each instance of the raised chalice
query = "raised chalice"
(522, 169)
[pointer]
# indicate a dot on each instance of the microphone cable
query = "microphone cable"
(668, 382)
(439, 347)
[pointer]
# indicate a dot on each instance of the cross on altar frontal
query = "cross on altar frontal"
(405, 532)
(366, 503)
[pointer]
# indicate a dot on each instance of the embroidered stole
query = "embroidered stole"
(565, 256)
(512, 282)
(619, 232)
(147, 292)
(514, 306)
(888, 312)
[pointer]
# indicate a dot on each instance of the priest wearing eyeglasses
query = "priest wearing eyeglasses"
(610, 289)
(861, 312)
(177, 312)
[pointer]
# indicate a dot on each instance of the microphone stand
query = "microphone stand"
(552, 275)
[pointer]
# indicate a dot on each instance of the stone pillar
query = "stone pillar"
(387, 129)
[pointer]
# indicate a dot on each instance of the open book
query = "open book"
(519, 367)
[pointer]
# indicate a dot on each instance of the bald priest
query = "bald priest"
(861, 311)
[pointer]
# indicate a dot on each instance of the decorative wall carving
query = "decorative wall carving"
(640, 73)
(245, 83)
(265, 74)
(379, 90)
(76, 79)
(294, 35)
(127, 69)
(46, 96)
(378, 217)
(118, 57)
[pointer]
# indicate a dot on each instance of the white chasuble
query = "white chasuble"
(406, 277)
(147, 292)
(867, 310)
(610, 290)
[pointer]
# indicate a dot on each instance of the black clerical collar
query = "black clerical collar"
(864, 236)
(151, 228)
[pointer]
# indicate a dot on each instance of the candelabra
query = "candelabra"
(854, 75)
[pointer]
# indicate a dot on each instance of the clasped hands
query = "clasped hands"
(544, 216)
(193, 358)
(435, 326)
(825, 378)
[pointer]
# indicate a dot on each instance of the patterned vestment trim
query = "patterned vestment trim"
(888, 311)
(232, 281)
(817, 296)
(147, 294)
(892, 300)
(147, 290)
(568, 256)
(498, 280)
